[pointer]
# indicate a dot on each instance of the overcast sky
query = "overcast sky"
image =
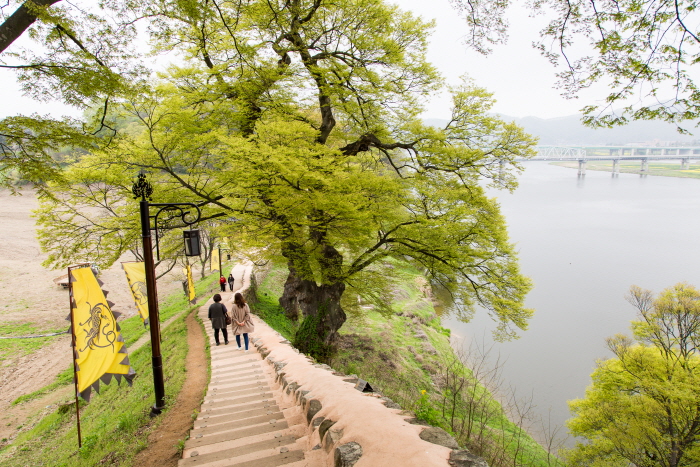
(520, 78)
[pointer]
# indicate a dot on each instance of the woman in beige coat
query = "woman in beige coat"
(241, 322)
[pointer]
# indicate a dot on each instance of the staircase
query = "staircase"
(243, 422)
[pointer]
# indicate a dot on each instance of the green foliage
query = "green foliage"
(79, 57)
(641, 407)
(386, 351)
(426, 410)
(268, 307)
(304, 118)
(643, 53)
(309, 340)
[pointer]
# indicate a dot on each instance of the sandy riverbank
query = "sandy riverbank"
(29, 295)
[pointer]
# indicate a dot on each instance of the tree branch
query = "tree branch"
(19, 21)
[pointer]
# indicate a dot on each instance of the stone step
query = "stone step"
(202, 439)
(263, 396)
(273, 460)
(214, 387)
(233, 386)
(222, 366)
(271, 444)
(227, 417)
(239, 367)
(234, 377)
(228, 387)
(232, 393)
(206, 429)
(232, 409)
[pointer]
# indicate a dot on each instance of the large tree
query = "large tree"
(304, 116)
(646, 52)
(80, 55)
(643, 407)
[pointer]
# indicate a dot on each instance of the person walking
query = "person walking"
(217, 316)
(231, 280)
(241, 321)
(222, 283)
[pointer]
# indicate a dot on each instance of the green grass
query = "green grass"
(268, 307)
(115, 424)
(385, 350)
(131, 328)
(21, 347)
(655, 168)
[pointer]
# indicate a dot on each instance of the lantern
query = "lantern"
(191, 238)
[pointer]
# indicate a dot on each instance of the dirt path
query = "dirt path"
(163, 442)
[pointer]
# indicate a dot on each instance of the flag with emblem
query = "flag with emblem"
(136, 277)
(215, 260)
(189, 290)
(98, 347)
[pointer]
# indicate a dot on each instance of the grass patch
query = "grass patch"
(115, 424)
(407, 357)
(634, 167)
(21, 347)
(268, 308)
(133, 329)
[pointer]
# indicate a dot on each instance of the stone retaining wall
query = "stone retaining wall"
(346, 427)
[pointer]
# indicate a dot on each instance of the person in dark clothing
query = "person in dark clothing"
(222, 283)
(217, 316)
(230, 282)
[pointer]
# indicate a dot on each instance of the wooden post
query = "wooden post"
(73, 352)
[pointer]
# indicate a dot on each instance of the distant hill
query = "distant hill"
(570, 131)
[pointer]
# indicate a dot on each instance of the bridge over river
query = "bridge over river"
(644, 154)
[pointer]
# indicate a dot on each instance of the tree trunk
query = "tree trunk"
(319, 304)
(313, 300)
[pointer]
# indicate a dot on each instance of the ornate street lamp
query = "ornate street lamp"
(142, 189)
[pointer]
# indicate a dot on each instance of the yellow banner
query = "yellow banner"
(189, 292)
(99, 350)
(215, 260)
(136, 277)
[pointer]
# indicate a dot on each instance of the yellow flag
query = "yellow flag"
(100, 352)
(215, 260)
(136, 277)
(189, 287)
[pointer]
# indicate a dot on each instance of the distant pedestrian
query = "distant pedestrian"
(242, 323)
(218, 315)
(222, 283)
(230, 282)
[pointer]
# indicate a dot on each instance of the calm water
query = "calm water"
(583, 242)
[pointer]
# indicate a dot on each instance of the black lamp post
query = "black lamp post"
(142, 189)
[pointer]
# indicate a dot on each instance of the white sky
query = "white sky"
(520, 78)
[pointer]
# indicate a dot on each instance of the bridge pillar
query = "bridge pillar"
(645, 165)
(581, 167)
(616, 167)
(685, 163)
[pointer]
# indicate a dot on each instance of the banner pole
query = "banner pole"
(73, 352)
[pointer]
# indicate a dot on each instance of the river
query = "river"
(584, 242)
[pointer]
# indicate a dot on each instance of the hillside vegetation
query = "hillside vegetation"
(405, 354)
